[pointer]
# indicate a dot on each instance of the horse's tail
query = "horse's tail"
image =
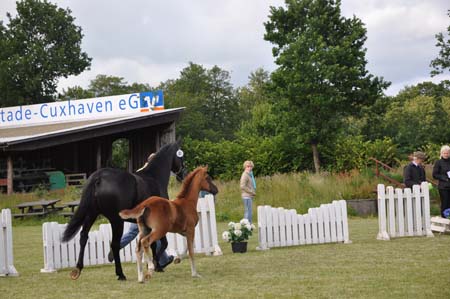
(135, 212)
(80, 214)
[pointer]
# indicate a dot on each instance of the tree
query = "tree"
(221, 106)
(418, 115)
(212, 107)
(38, 46)
(322, 67)
(255, 92)
(442, 62)
(104, 85)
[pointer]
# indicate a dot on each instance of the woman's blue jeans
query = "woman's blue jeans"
(248, 208)
(132, 232)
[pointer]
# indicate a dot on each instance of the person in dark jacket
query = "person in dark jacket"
(441, 172)
(414, 173)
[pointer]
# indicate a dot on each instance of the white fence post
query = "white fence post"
(58, 255)
(279, 227)
(6, 245)
(262, 228)
(382, 232)
(404, 213)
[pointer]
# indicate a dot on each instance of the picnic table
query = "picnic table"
(37, 208)
(72, 205)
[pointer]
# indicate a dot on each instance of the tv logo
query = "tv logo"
(151, 101)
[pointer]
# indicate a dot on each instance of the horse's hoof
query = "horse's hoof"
(196, 275)
(121, 277)
(177, 260)
(75, 274)
(148, 276)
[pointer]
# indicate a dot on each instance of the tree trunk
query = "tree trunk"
(316, 157)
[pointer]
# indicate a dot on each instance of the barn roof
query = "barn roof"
(45, 135)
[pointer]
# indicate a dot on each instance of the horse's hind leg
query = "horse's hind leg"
(117, 229)
(151, 266)
(150, 241)
(84, 235)
(139, 251)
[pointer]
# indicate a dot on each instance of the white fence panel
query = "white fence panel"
(59, 255)
(6, 245)
(403, 213)
(325, 224)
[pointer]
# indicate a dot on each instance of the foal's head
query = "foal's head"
(206, 182)
(201, 176)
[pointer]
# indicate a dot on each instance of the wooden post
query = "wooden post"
(131, 146)
(99, 156)
(9, 177)
(167, 135)
(75, 157)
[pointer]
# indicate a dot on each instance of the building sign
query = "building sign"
(104, 107)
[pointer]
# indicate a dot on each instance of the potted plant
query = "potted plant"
(238, 234)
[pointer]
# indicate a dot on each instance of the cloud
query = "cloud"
(152, 41)
(131, 70)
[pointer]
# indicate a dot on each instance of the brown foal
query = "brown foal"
(157, 216)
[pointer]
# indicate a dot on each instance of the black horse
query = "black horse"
(108, 191)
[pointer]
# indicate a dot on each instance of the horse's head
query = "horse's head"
(206, 181)
(171, 156)
(178, 166)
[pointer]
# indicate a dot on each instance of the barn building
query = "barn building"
(76, 137)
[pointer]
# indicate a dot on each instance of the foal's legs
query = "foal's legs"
(87, 224)
(139, 251)
(190, 244)
(150, 241)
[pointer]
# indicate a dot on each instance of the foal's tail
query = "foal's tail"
(80, 214)
(135, 212)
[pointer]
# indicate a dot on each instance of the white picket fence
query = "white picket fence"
(279, 227)
(439, 224)
(404, 212)
(6, 245)
(59, 255)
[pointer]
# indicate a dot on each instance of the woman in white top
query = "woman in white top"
(248, 189)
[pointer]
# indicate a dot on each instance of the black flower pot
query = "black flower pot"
(240, 247)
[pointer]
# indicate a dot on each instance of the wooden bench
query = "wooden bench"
(72, 205)
(439, 224)
(22, 215)
(41, 207)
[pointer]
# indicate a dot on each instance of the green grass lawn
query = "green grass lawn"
(367, 268)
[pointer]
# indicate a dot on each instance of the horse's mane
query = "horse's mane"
(153, 160)
(187, 182)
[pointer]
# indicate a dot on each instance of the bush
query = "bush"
(432, 151)
(352, 152)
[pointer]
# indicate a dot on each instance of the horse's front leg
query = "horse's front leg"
(190, 244)
(84, 235)
(117, 228)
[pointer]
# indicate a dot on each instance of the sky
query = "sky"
(149, 41)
